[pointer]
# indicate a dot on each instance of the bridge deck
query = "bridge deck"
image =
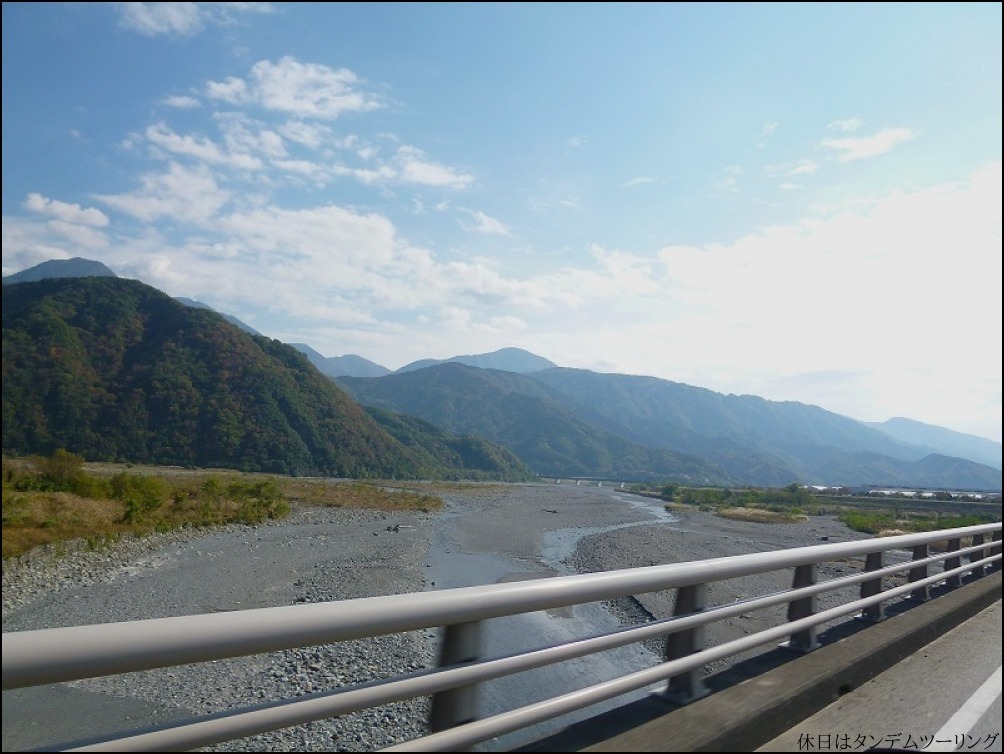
(754, 703)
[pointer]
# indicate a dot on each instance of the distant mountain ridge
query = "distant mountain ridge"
(229, 318)
(577, 422)
(341, 366)
(77, 267)
(505, 359)
(941, 440)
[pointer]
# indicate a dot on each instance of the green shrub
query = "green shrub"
(141, 494)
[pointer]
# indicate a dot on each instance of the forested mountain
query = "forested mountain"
(113, 369)
(468, 452)
(525, 416)
(744, 439)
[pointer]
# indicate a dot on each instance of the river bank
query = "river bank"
(486, 534)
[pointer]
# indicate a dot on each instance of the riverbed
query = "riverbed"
(486, 534)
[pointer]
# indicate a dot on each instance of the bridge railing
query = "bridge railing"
(62, 654)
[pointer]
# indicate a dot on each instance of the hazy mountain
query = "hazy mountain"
(228, 317)
(524, 415)
(115, 370)
(669, 413)
(341, 366)
(577, 422)
(505, 359)
(817, 445)
(77, 267)
(941, 440)
(838, 468)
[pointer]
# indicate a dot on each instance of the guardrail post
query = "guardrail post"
(461, 643)
(953, 562)
(921, 593)
(975, 555)
(689, 686)
(872, 613)
(996, 550)
(805, 640)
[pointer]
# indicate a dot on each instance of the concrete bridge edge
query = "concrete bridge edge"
(746, 715)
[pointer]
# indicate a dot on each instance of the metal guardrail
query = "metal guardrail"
(38, 657)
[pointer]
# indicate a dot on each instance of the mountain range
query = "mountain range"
(573, 422)
(577, 422)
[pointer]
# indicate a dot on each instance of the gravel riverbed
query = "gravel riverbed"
(331, 554)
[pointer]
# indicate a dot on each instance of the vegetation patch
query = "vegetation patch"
(47, 500)
(882, 516)
(760, 515)
(353, 494)
(888, 524)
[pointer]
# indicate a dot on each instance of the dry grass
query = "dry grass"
(32, 519)
(891, 532)
(352, 494)
(760, 516)
(676, 506)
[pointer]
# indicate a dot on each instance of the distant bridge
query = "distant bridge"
(918, 562)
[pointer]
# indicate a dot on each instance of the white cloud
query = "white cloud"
(886, 140)
(305, 168)
(182, 194)
(788, 186)
(182, 19)
(639, 181)
(415, 168)
(27, 242)
(231, 90)
(182, 102)
(153, 19)
(729, 180)
(79, 235)
(804, 167)
(315, 239)
(369, 176)
(303, 90)
(835, 291)
(576, 142)
(66, 213)
(483, 223)
(768, 128)
(847, 124)
(201, 148)
(308, 134)
(244, 136)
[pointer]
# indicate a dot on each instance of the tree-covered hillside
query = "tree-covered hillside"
(524, 416)
(113, 369)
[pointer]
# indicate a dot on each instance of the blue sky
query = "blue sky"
(797, 201)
